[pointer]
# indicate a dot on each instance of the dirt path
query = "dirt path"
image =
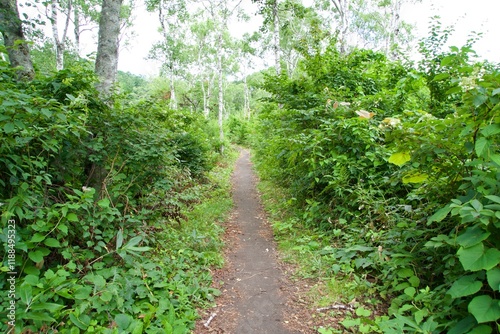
(253, 294)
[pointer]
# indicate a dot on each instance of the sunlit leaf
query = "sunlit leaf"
(415, 178)
(441, 76)
(400, 158)
(482, 146)
(364, 114)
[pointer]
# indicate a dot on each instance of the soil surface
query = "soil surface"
(255, 292)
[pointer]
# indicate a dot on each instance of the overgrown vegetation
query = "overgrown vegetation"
(394, 171)
(132, 257)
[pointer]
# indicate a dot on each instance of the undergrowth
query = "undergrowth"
(391, 177)
(109, 212)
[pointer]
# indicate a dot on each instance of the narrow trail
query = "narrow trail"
(252, 299)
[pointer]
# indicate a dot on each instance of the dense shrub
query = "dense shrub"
(403, 178)
(80, 253)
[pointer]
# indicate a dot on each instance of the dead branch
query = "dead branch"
(206, 324)
(336, 307)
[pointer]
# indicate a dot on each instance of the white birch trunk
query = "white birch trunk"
(59, 42)
(173, 101)
(221, 93)
(246, 107)
(76, 21)
(276, 38)
(107, 49)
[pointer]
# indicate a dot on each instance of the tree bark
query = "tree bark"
(106, 64)
(60, 43)
(106, 67)
(276, 38)
(221, 94)
(12, 31)
(76, 21)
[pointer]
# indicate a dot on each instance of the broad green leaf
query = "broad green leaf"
(31, 280)
(415, 178)
(493, 276)
(400, 158)
(38, 316)
(482, 329)
(9, 128)
(80, 323)
(439, 215)
(484, 309)
(106, 296)
(37, 237)
(463, 326)
(447, 60)
(477, 258)
(132, 242)
(98, 280)
(123, 321)
(362, 312)
(119, 239)
(465, 286)
(72, 217)
(138, 327)
(495, 158)
(482, 146)
(83, 292)
(51, 242)
(51, 307)
(36, 256)
(26, 293)
(495, 92)
(472, 236)
(479, 100)
(104, 203)
(63, 228)
(410, 291)
(493, 198)
(441, 76)
(491, 130)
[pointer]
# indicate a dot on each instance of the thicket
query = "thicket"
(396, 168)
(132, 257)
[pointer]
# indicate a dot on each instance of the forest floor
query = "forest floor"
(257, 295)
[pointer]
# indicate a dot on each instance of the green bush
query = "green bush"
(406, 196)
(119, 259)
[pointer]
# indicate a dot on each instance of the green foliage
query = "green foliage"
(132, 258)
(396, 172)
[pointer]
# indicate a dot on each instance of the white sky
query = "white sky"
(466, 15)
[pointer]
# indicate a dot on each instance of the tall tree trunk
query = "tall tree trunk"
(173, 101)
(246, 107)
(76, 21)
(60, 43)
(12, 31)
(106, 64)
(342, 7)
(395, 25)
(276, 37)
(206, 96)
(106, 67)
(221, 93)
